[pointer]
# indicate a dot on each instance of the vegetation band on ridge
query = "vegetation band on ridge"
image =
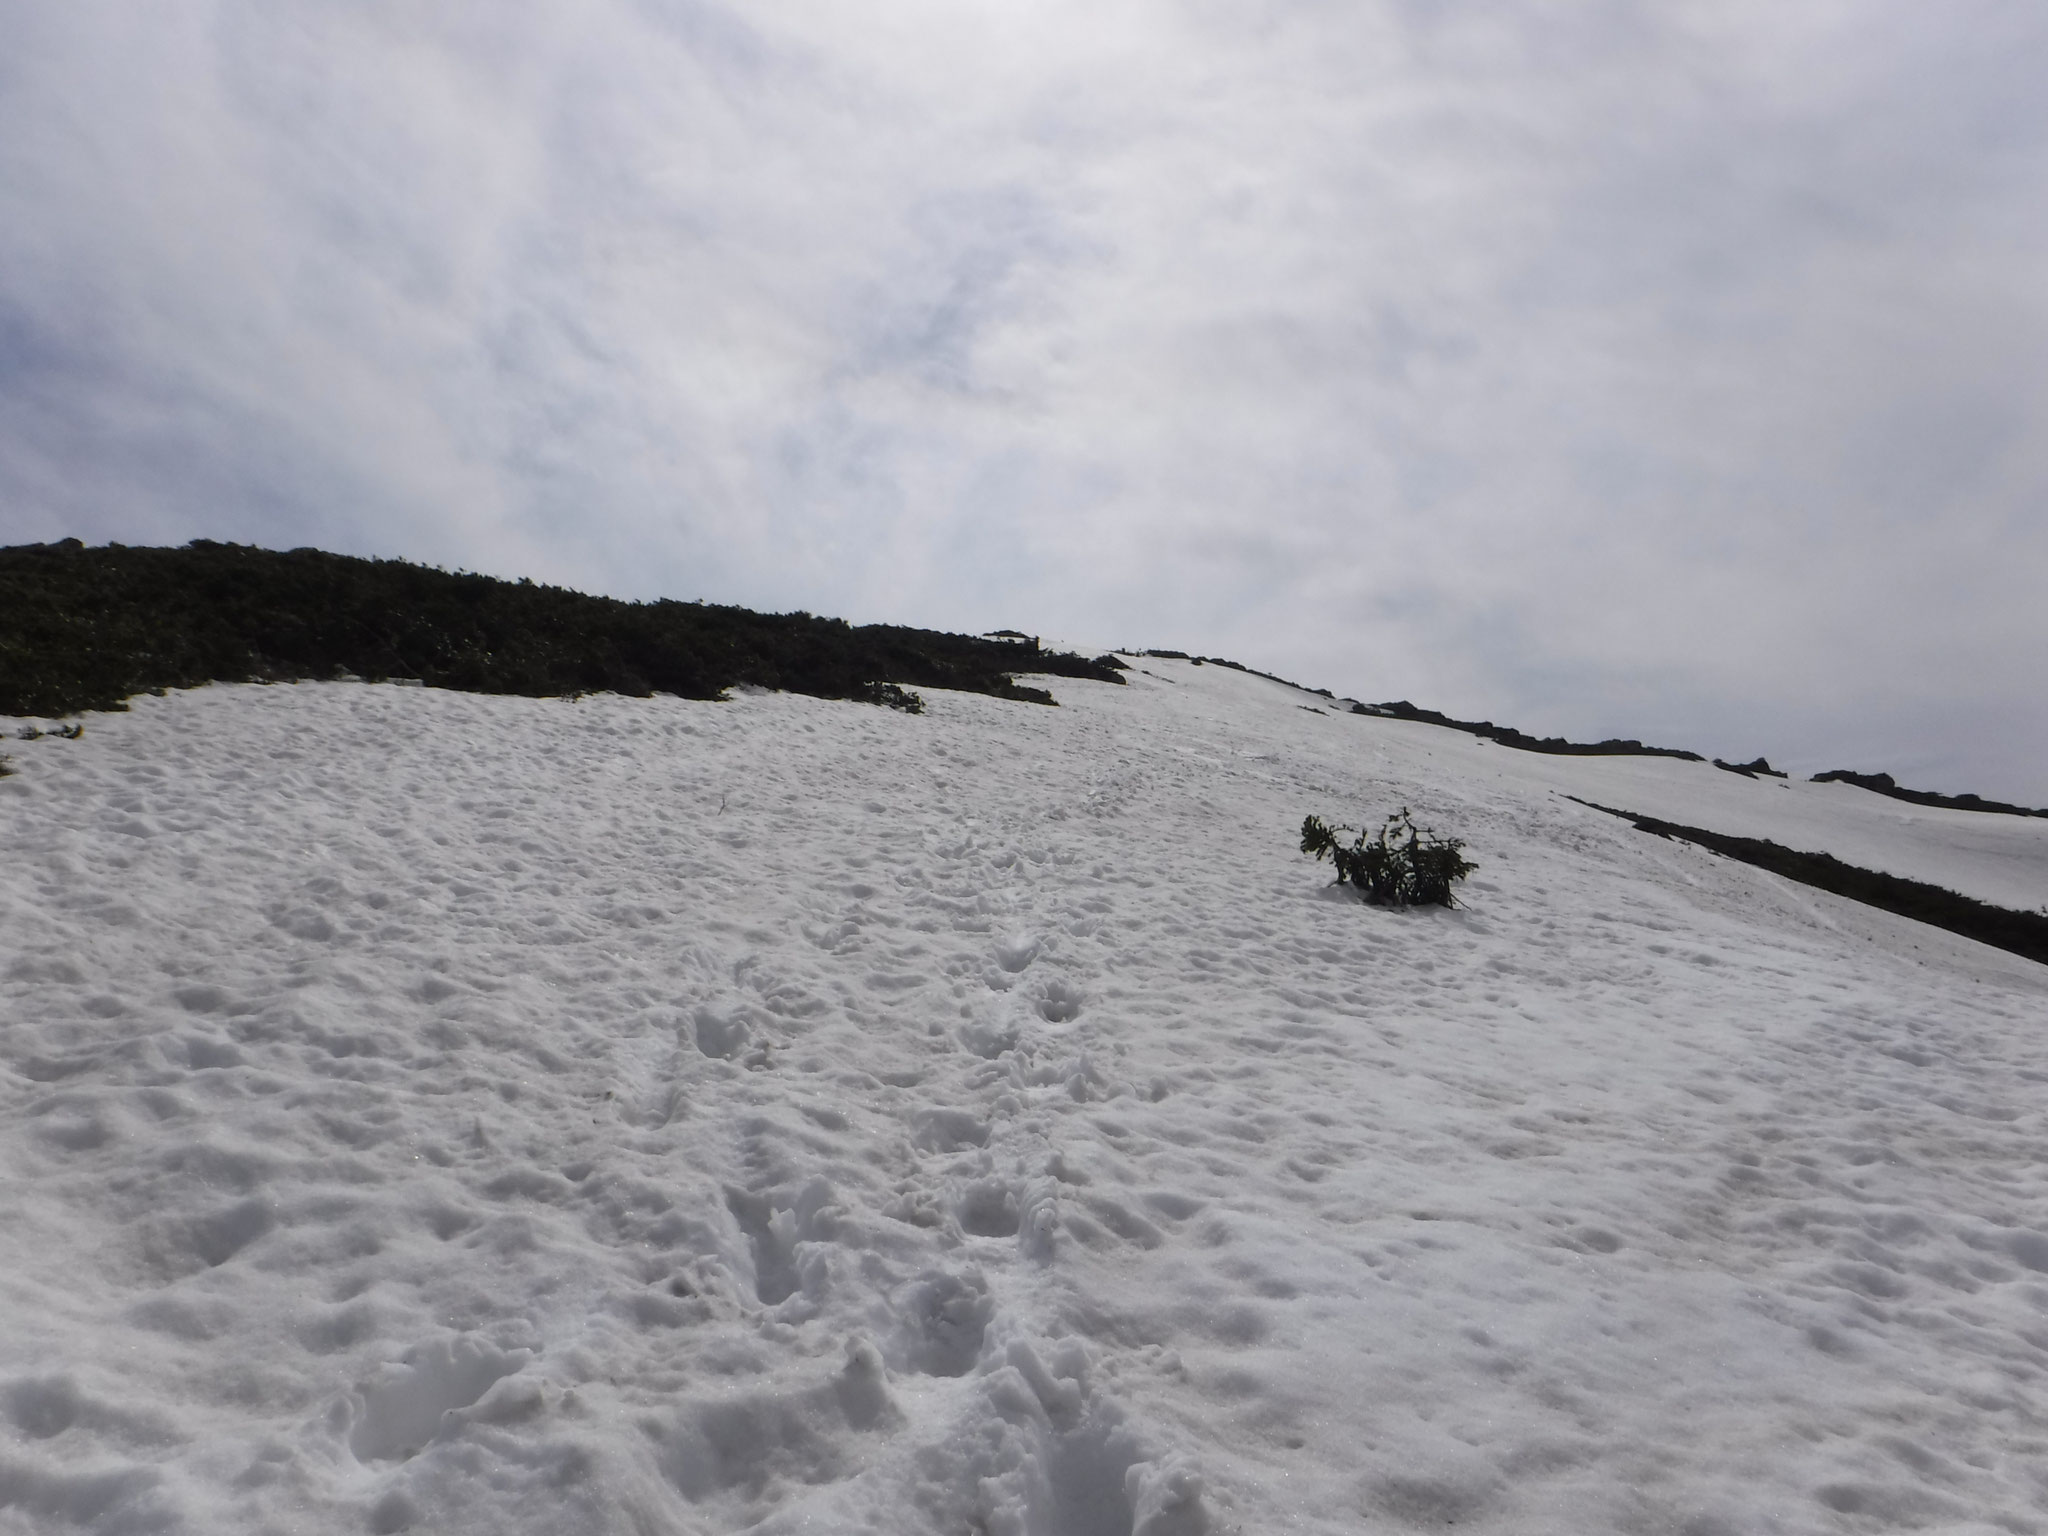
(1522, 741)
(88, 627)
(2020, 933)
(1885, 784)
(1505, 735)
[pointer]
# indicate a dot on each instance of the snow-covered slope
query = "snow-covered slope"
(1997, 858)
(480, 1114)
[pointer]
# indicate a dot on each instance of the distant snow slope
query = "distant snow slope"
(1996, 858)
(462, 1114)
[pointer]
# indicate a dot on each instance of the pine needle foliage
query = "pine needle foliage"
(1401, 865)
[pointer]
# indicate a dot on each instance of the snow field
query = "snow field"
(1991, 857)
(428, 1111)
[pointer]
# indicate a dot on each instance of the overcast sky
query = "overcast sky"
(1673, 371)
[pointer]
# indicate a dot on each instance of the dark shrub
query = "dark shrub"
(85, 628)
(1401, 865)
(891, 695)
(1750, 770)
(1885, 784)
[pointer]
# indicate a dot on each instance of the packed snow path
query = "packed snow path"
(497, 1115)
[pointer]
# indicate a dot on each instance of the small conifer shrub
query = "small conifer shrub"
(1401, 865)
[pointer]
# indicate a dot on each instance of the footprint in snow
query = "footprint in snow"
(1059, 1001)
(987, 1208)
(1018, 951)
(946, 1318)
(720, 1030)
(989, 1035)
(947, 1130)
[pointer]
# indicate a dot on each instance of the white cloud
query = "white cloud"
(1670, 372)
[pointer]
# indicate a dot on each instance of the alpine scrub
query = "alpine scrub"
(1401, 865)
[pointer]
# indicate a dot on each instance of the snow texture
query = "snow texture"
(460, 1114)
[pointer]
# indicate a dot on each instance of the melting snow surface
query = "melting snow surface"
(427, 1111)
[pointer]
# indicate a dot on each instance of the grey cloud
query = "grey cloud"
(1665, 371)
